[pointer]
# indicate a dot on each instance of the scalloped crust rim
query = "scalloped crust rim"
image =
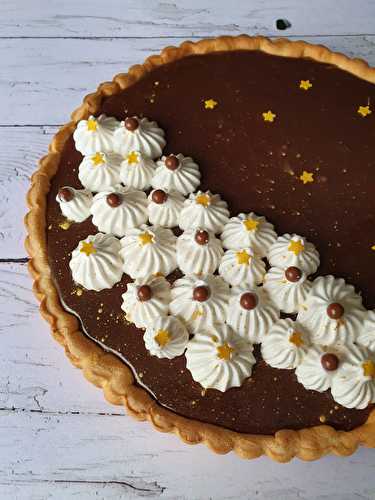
(106, 370)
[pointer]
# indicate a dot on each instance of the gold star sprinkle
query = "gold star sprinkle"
(369, 368)
(87, 248)
(305, 84)
(251, 224)
(91, 125)
(65, 224)
(203, 199)
(307, 177)
(132, 158)
(225, 351)
(243, 257)
(98, 159)
(269, 116)
(296, 339)
(373, 247)
(296, 247)
(210, 104)
(162, 337)
(364, 111)
(145, 238)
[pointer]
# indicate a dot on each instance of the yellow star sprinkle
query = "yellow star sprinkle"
(91, 125)
(307, 177)
(98, 159)
(269, 116)
(305, 84)
(251, 224)
(210, 104)
(296, 247)
(225, 351)
(145, 238)
(203, 199)
(369, 368)
(162, 337)
(364, 111)
(296, 339)
(243, 257)
(87, 248)
(132, 158)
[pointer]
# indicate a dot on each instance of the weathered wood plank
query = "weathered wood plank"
(185, 18)
(42, 81)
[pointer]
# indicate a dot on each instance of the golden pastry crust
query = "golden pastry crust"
(109, 372)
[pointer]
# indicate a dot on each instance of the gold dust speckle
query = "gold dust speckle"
(77, 291)
(307, 177)
(373, 247)
(65, 224)
(50, 227)
(305, 84)
(268, 116)
(100, 310)
(364, 111)
(210, 104)
(323, 418)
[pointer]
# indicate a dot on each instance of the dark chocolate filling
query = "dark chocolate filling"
(254, 165)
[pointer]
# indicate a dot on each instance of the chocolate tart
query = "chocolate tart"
(252, 167)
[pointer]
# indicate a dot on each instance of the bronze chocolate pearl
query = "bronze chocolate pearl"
(114, 200)
(65, 194)
(172, 162)
(144, 293)
(248, 301)
(330, 362)
(131, 124)
(335, 310)
(293, 274)
(202, 237)
(201, 293)
(159, 196)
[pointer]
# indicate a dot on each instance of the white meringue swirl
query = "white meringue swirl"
(354, 385)
(219, 359)
(252, 324)
(242, 268)
(131, 212)
(166, 338)
(366, 335)
(96, 263)
(313, 315)
(148, 250)
(204, 210)
(165, 214)
(285, 345)
(78, 208)
(287, 295)
(198, 314)
(147, 138)
(185, 178)
(251, 231)
(100, 171)
(195, 258)
(144, 312)
(95, 134)
(137, 170)
(293, 250)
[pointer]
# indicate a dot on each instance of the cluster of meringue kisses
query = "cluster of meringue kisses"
(226, 300)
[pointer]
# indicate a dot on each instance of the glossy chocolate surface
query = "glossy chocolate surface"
(255, 165)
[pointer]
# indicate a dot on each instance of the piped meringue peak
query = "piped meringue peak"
(366, 335)
(95, 134)
(177, 172)
(137, 170)
(293, 250)
(251, 231)
(74, 203)
(242, 268)
(200, 301)
(333, 312)
(145, 300)
(166, 337)
(139, 134)
(100, 171)
(198, 251)
(164, 207)
(219, 359)
(204, 210)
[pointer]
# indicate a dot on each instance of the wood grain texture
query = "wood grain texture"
(44, 80)
(184, 18)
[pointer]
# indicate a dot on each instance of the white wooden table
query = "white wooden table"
(58, 437)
